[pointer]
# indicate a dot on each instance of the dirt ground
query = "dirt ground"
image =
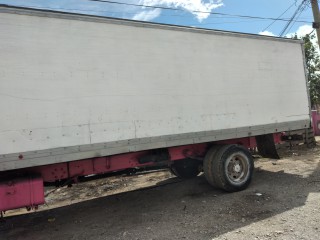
(282, 202)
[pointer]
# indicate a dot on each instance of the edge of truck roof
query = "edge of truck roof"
(4, 8)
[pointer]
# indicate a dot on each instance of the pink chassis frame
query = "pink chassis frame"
(101, 165)
(315, 122)
(11, 190)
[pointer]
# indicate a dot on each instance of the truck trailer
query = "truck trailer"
(86, 95)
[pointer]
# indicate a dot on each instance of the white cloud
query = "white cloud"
(302, 31)
(199, 8)
(147, 15)
(267, 33)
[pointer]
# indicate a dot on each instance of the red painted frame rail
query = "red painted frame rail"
(28, 191)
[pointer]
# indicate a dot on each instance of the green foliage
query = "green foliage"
(313, 67)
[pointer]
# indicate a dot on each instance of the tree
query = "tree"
(313, 67)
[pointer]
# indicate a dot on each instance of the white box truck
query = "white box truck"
(83, 95)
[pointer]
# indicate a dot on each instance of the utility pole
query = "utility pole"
(316, 17)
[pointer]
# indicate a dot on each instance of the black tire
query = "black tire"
(229, 167)
(186, 168)
(207, 164)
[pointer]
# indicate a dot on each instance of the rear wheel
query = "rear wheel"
(228, 167)
(186, 168)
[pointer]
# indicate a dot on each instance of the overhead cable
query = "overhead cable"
(195, 11)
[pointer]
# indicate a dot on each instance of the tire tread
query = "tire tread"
(214, 167)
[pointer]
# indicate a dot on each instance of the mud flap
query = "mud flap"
(266, 146)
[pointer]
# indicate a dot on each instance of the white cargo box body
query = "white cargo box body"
(75, 86)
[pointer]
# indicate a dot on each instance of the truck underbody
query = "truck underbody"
(25, 187)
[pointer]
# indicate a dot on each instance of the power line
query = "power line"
(212, 23)
(136, 5)
(278, 17)
(225, 15)
(171, 15)
(196, 11)
(294, 21)
(115, 12)
(88, 10)
(311, 31)
(297, 12)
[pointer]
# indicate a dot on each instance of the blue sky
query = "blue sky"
(187, 16)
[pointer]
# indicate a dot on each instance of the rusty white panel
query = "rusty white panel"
(69, 82)
(66, 154)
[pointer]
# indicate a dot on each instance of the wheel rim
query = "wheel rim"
(237, 168)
